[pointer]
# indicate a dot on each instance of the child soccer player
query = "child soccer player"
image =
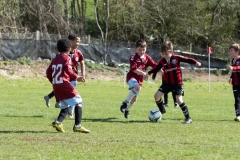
(60, 73)
(137, 73)
(234, 51)
(170, 63)
(77, 57)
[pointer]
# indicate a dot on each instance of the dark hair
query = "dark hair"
(141, 43)
(72, 37)
(63, 45)
(166, 46)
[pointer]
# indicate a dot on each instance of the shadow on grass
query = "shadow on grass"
(21, 131)
(36, 116)
(114, 120)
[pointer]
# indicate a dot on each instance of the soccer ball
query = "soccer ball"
(154, 115)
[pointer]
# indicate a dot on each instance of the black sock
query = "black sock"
(78, 115)
(160, 106)
(184, 109)
(174, 98)
(237, 109)
(50, 95)
(165, 98)
(62, 115)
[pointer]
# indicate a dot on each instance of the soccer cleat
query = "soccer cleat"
(165, 105)
(79, 128)
(237, 119)
(58, 126)
(123, 106)
(57, 105)
(47, 99)
(126, 114)
(188, 121)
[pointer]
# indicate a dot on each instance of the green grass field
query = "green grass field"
(26, 131)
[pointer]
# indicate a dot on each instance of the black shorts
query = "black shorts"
(176, 89)
(236, 91)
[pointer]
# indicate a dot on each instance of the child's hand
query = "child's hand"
(145, 76)
(230, 68)
(230, 81)
(81, 79)
(161, 70)
(198, 64)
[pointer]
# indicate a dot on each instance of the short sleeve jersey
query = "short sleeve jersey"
(76, 57)
(59, 73)
(136, 62)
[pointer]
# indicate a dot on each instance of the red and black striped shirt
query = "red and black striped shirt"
(172, 72)
(236, 72)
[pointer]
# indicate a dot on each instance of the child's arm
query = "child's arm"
(82, 77)
(189, 60)
(233, 68)
(155, 70)
(141, 73)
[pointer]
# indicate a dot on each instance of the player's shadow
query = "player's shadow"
(21, 131)
(34, 116)
(114, 120)
(200, 120)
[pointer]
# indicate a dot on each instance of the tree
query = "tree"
(103, 30)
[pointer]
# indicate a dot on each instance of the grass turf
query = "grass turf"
(26, 131)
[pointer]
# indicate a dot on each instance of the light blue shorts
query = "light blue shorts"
(71, 102)
(132, 83)
(74, 83)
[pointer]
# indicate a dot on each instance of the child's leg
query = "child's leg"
(50, 95)
(183, 106)
(179, 92)
(166, 99)
(236, 94)
(174, 99)
(134, 91)
(159, 101)
(62, 115)
(78, 119)
(132, 101)
(58, 123)
(78, 114)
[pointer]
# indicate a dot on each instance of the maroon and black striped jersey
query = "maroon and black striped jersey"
(236, 72)
(171, 69)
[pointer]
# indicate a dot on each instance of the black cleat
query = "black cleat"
(126, 114)
(123, 107)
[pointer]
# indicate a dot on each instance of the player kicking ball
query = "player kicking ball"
(60, 73)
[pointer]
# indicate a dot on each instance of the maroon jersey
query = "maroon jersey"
(59, 73)
(136, 62)
(172, 72)
(236, 72)
(76, 57)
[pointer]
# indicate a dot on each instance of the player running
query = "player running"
(137, 73)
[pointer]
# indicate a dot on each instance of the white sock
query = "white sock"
(131, 94)
(129, 105)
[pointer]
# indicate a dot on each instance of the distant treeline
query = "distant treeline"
(193, 23)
